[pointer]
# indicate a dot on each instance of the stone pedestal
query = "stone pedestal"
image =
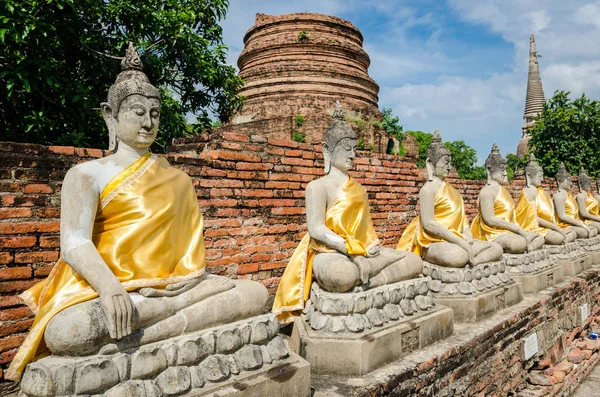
(473, 293)
(355, 333)
(534, 270)
(247, 358)
(569, 256)
(591, 246)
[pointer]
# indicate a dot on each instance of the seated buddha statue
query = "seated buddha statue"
(586, 202)
(566, 208)
(496, 218)
(341, 251)
(441, 234)
(535, 210)
(597, 192)
(132, 267)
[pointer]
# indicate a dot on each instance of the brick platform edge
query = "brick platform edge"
(485, 359)
(250, 189)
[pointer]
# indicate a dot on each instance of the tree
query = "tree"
(464, 157)
(568, 131)
(391, 124)
(57, 63)
(515, 163)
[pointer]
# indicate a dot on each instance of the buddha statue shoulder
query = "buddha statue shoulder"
(132, 267)
(496, 218)
(586, 202)
(566, 208)
(441, 234)
(535, 209)
(597, 192)
(341, 251)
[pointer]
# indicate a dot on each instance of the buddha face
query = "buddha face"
(136, 124)
(343, 154)
(585, 184)
(536, 179)
(566, 184)
(442, 167)
(498, 173)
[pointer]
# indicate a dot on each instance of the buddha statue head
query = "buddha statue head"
(339, 143)
(584, 181)
(534, 175)
(133, 108)
(598, 184)
(438, 160)
(495, 166)
(563, 178)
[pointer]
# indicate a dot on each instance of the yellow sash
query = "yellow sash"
(571, 209)
(148, 230)
(527, 214)
(591, 204)
(449, 211)
(504, 208)
(545, 206)
(350, 218)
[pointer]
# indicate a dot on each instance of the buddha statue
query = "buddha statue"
(597, 193)
(566, 208)
(496, 218)
(341, 251)
(441, 233)
(587, 203)
(535, 210)
(132, 267)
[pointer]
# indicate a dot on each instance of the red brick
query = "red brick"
(37, 188)
(17, 242)
(43, 271)
(288, 211)
(282, 142)
(272, 265)
(296, 161)
(29, 227)
(50, 241)
(18, 313)
(576, 356)
(254, 166)
(15, 273)
(247, 268)
(257, 193)
(67, 150)
(11, 342)
(230, 136)
(13, 328)
(234, 156)
(6, 257)
(48, 212)
(8, 213)
(7, 357)
(35, 257)
(16, 286)
(8, 301)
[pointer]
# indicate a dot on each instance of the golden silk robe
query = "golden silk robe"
(527, 214)
(449, 211)
(592, 206)
(349, 217)
(571, 209)
(149, 231)
(504, 208)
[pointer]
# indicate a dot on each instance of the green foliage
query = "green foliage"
(57, 63)
(464, 157)
(299, 120)
(303, 36)
(391, 124)
(361, 143)
(568, 131)
(371, 148)
(514, 163)
(298, 136)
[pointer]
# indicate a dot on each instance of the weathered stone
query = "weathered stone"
(406, 307)
(37, 381)
(277, 348)
(197, 378)
(354, 323)
(230, 340)
(122, 363)
(318, 320)
(334, 306)
(96, 375)
(174, 381)
(421, 302)
(234, 366)
(541, 379)
(260, 333)
(378, 300)
(215, 368)
(336, 324)
(131, 388)
(249, 357)
(148, 362)
(375, 317)
(266, 356)
(391, 311)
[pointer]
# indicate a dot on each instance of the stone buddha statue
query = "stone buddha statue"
(132, 267)
(341, 251)
(597, 193)
(535, 210)
(587, 203)
(441, 233)
(496, 219)
(566, 208)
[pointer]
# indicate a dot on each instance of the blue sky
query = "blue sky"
(458, 65)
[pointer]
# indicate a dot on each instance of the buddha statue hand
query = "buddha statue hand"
(118, 309)
(374, 250)
(363, 268)
(171, 289)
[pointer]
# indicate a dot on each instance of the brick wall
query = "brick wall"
(250, 190)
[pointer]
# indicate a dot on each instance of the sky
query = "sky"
(458, 65)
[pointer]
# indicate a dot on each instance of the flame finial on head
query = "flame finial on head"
(583, 179)
(338, 129)
(532, 166)
(562, 173)
(338, 113)
(132, 60)
(436, 150)
(495, 158)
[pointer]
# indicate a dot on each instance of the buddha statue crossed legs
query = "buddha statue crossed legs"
(496, 219)
(535, 210)
(341, 250)
(441, 232)
(586, 202)
(566, 208)
(133, 261)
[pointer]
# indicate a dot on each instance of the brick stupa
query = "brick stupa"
(299, 65)
(534, 102)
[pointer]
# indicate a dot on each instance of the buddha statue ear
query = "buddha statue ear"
(430, 169)
(110, 123)
(326, 157)
(488, 172)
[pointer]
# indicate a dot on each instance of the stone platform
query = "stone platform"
(591, 246)
(355, 333)
(473, 293)
(534, 270)
(247, 358)
(570, 256)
